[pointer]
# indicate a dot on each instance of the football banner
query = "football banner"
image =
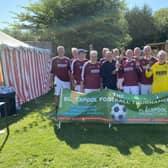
(113, 107)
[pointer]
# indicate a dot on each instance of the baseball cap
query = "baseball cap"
(82, 51)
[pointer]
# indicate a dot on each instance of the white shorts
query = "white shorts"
(90, 90)
(131, 90)
(59, 84)
(145, 89)
(77, 88)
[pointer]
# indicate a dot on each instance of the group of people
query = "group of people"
(134, 72)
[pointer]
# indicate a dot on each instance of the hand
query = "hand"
(137, 63)
(51, 84)
(138, 66)
(81, 90)
(72, 86)
(148, 67)
(101, 86)
(120, 83)
(114, 72)
(117, 65)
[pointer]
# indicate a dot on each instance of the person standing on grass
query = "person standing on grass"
(74, 52)
(128, 72)
(120, 58)
(138, 56)
(116, 53)
(76, 68)
(60, 72)
(147, 60)
(108, 72)
(159, 71)
(90, 77)
(103, 58)
(137, 53)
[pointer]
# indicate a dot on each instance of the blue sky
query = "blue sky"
(6, 7)
(154, 4)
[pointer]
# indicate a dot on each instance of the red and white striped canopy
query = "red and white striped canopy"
(25, 68)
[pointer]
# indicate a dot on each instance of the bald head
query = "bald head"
(74, 52)
(137, 52)
(93, 56)
(147, 51)
(61, 51)
(129, 54)
(104, 50)
(116, 52)
(109, 56)
(162, 56)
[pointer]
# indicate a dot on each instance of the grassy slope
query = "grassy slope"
(35, 142)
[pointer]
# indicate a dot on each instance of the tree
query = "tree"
(161, 23)
(141, 26)
(77, 22)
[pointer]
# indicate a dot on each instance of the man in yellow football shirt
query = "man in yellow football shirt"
(159, 70)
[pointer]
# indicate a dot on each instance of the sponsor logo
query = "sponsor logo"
(61, 65)
(160, 73)
(95, 71)
(128, 69)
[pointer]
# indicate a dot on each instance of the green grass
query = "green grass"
(35, 142)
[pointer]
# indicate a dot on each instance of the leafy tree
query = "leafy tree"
(77, 22)
(141, 26)
(161, 23)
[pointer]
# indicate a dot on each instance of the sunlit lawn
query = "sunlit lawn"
(35, 142)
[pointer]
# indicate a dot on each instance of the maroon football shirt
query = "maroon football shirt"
(91, 75)
(61, 68)
(129, 72)
(120, 71)
(142, 77)
(102, 60)
(76, 69)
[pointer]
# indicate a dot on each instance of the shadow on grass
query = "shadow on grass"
(5, 139)
(34, 106)
(123, 137)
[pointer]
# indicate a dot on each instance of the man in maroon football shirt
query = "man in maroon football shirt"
(129, 74)
(147, 60)
(76, 68)
(137, 57)
(74, 52)
(60, 72)
(91, 80)
(137, 54)
(116, 53)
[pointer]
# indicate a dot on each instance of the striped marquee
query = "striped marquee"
(26, 70)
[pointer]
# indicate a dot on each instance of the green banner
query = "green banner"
(113, 106)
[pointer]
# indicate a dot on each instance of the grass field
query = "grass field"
(35, 142)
